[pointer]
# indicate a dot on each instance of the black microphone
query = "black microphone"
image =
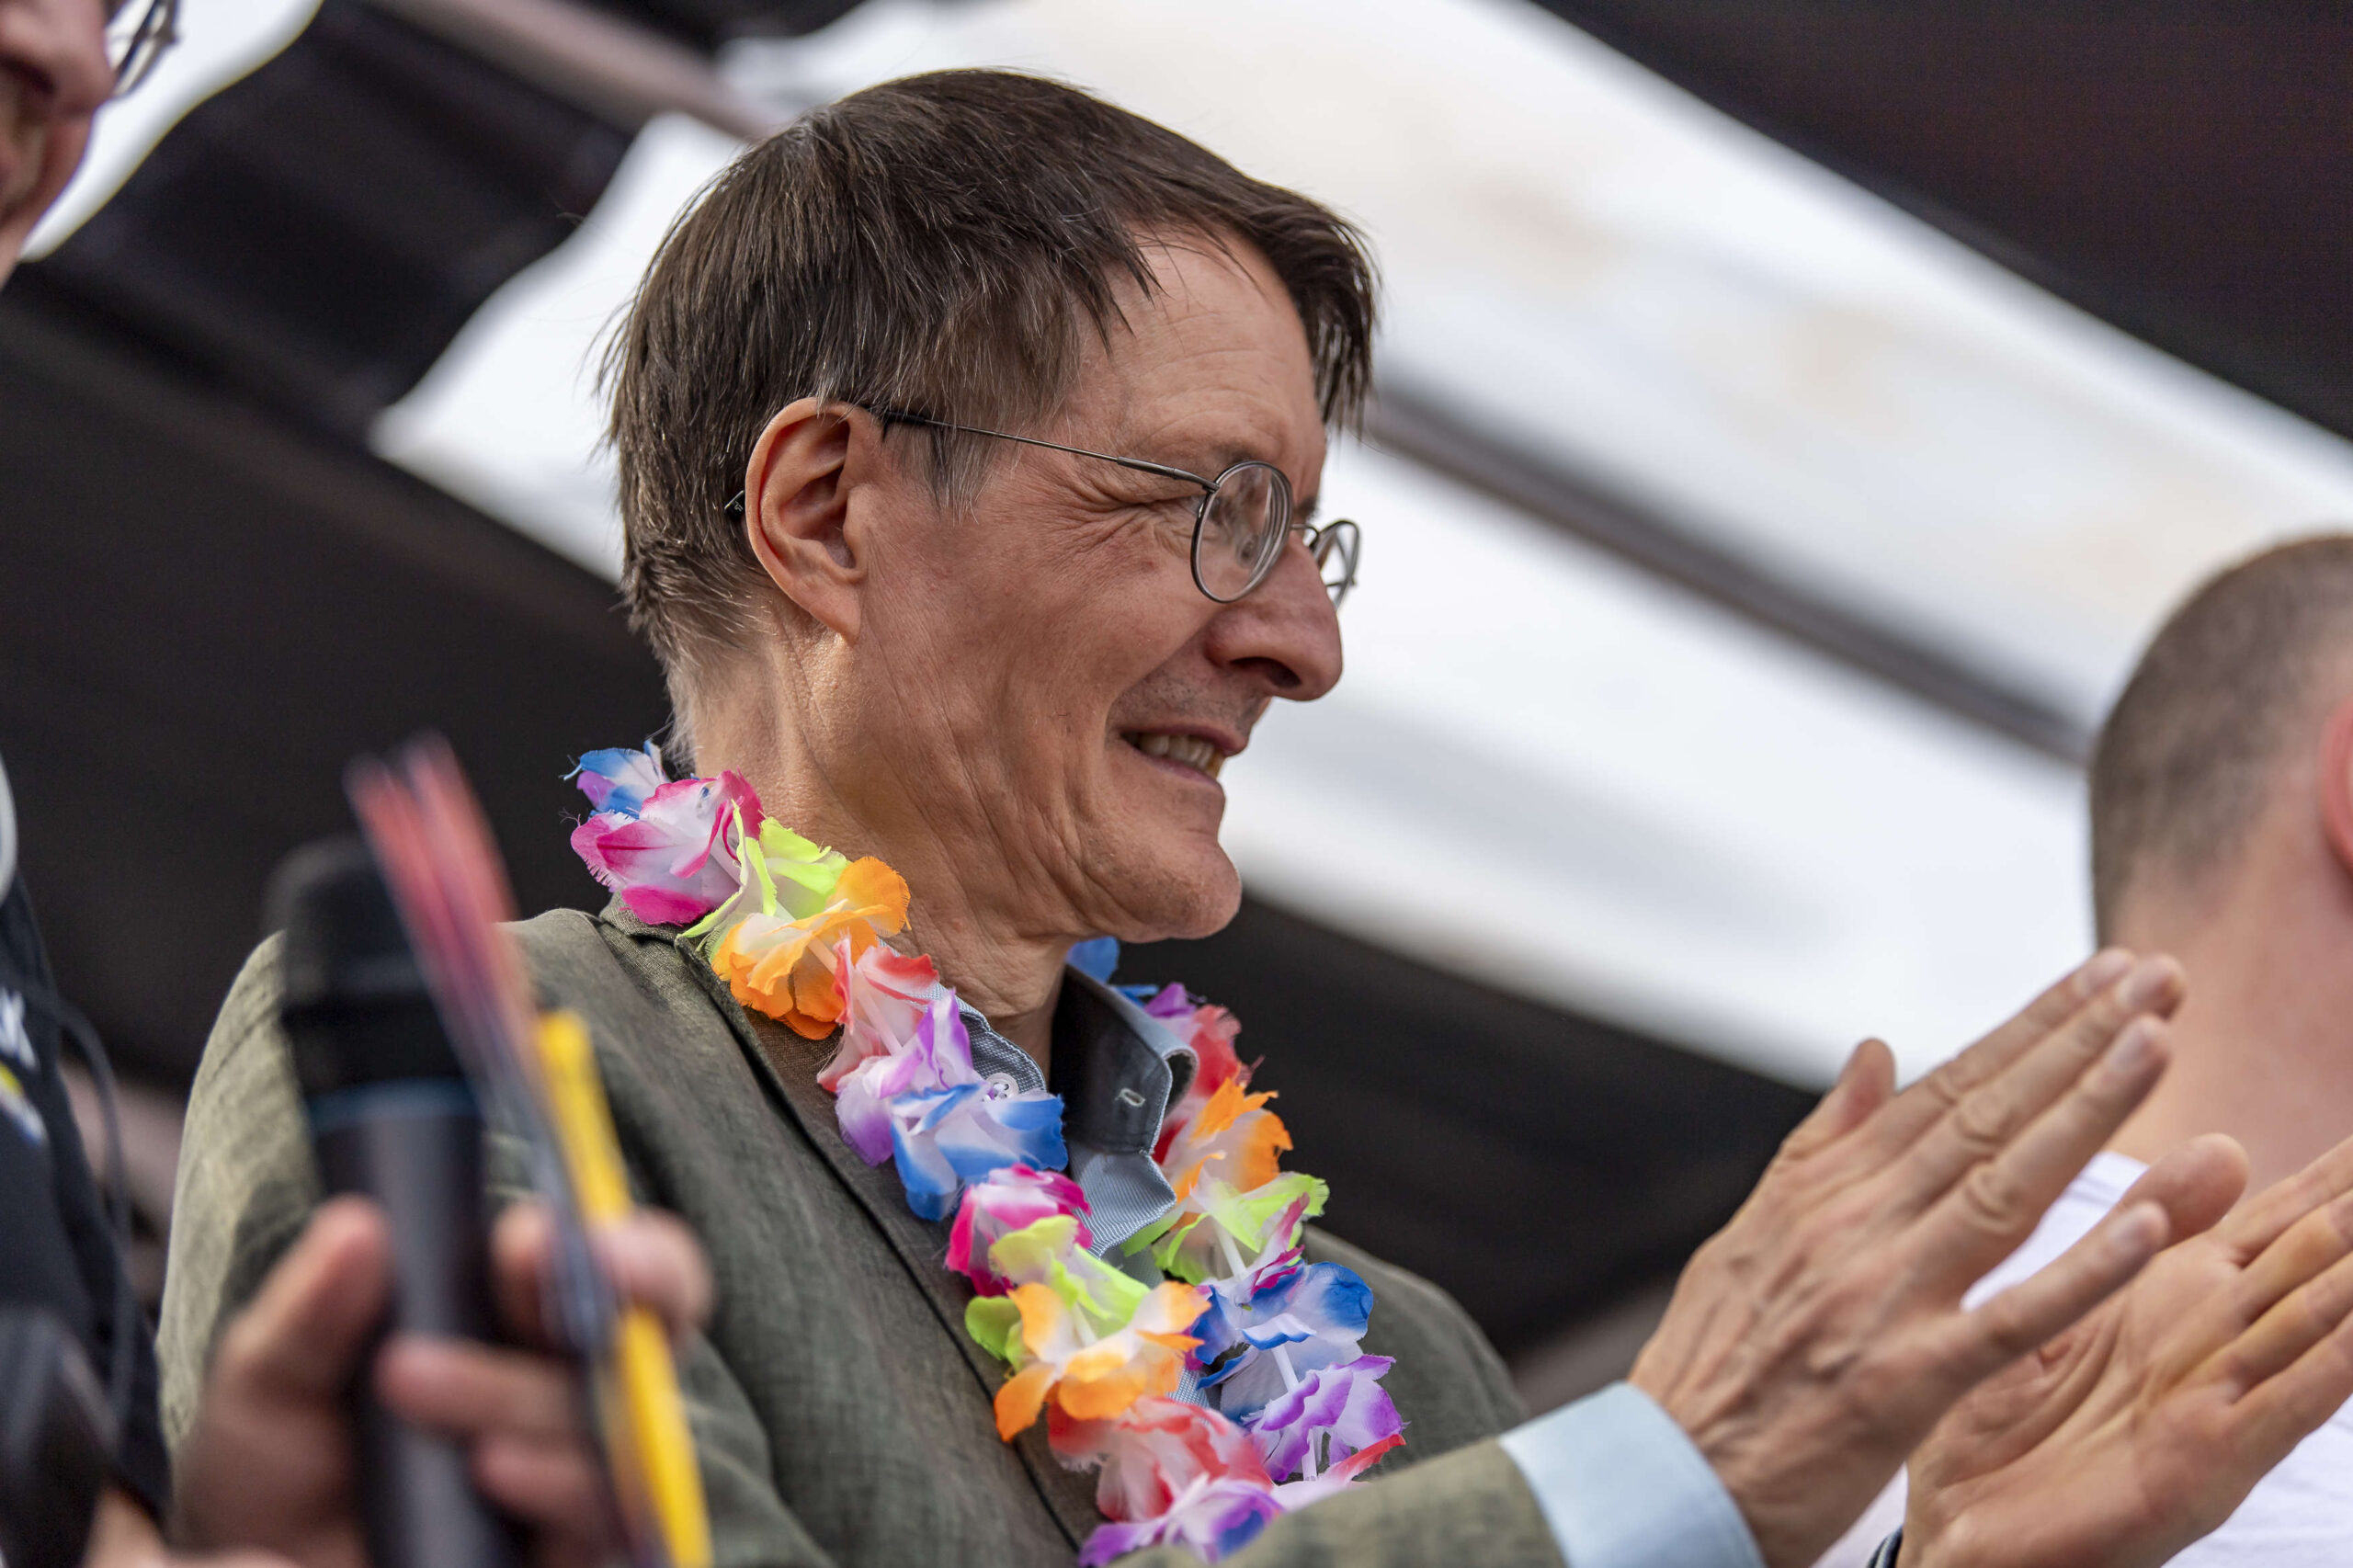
(392, 1117)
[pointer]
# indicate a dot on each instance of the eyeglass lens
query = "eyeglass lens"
(1243, 523)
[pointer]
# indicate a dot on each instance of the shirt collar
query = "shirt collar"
(1120, 1071)
(1117, 1068)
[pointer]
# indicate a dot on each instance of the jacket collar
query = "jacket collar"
(786, 1065)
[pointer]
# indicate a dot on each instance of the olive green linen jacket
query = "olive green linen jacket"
(841, 1414)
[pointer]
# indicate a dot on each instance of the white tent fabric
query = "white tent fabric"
(1544, 770)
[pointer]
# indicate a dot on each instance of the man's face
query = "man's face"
(1052, 695)
(53, 77)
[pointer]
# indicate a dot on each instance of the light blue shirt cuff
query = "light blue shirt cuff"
(1623, 1487)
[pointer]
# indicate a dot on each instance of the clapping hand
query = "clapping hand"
(1815, 1341)
(2142, 1427)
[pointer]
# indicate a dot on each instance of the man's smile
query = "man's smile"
(1196, 751)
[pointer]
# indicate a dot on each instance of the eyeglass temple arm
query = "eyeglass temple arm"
(893, 416)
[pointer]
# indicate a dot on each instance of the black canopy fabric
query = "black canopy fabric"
(205, 611)
(314, 236)
(2179, 168)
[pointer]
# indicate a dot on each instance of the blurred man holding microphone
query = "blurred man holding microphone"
(267, 1475)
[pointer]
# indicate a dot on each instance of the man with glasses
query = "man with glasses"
(269, 1475)
(60, 60)
(969, 435)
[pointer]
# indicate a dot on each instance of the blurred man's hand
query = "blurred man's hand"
(2141, 1429)
(1813, 1341)
(269, 1463)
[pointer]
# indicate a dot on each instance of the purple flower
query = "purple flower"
(1332, 1413)
(618, 779)
(1296, 1494)
(937, 1055)
(1169, 1002)
(924, 1106)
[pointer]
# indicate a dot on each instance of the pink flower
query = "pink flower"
(883, 996)
(1009, 1200)
(1153, 1452)
(1171, 1475)
(670, 858)
(1213, 1519)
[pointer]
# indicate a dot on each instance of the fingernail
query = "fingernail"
(2149, 980)
(2129, 1055)
(2104, 970)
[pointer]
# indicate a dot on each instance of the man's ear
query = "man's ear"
(796, 512)
(2336, 782)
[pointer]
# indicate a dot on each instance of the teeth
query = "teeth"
(1190, 750)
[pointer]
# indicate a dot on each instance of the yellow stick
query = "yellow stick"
(639, 1366)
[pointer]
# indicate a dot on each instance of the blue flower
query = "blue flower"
(1312, 1315)
(943, 1138)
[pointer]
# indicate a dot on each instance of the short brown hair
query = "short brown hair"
(936, 246)
(2188, 752)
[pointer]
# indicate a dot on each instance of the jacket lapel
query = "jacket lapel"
(787, 1064)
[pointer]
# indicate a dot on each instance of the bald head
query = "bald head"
(2236, 682)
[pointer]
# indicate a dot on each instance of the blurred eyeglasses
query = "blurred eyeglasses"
(1240, 524)
(137, 37)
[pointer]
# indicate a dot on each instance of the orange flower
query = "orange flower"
(1086, 1378)
(784, 968)
(1231, 1137)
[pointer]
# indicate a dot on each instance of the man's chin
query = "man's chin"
(1213, 912)
(1185, 899)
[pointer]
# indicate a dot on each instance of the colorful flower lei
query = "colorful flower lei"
(1290, 1410)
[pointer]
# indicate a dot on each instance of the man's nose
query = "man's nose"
(1285, 633)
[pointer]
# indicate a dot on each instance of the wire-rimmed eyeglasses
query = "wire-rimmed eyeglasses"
(137, 36)
(1240, 524)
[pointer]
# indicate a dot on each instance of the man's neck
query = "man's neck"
(1014, 978)
(1014, 985)
(2263, 1046)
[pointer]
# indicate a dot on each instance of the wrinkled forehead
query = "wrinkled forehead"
(1209, 366)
